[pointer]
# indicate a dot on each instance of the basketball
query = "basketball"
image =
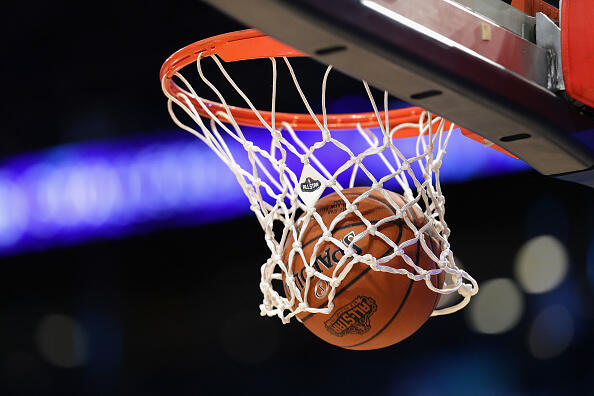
(372, 309)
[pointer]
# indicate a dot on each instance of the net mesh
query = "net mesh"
(267, 164)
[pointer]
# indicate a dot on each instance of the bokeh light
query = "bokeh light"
(541, 264)
(14, 211)
(551, 332)
(62, 341)
(497, 308)
(482, 370)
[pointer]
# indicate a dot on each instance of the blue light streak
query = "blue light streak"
(75, 193)
(106, 190)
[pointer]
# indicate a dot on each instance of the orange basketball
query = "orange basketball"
(372, 309)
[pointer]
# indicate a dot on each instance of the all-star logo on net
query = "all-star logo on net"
(310, 185)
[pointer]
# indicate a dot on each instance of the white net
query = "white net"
(270, 162)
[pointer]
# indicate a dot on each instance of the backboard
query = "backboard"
(480, 63)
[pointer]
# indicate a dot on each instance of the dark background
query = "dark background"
(176, 311)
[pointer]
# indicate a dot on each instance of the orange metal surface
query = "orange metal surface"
(531, 7)
(577, 49)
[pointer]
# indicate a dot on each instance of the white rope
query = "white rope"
(263, 171)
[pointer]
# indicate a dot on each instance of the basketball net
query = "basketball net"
(284, 170)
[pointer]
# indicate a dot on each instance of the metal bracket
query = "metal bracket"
(548, 36)
(505, 16)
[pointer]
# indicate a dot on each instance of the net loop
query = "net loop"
(346, 150)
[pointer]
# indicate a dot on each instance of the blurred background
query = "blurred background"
(130, 261)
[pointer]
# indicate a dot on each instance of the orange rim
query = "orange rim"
(253, 44)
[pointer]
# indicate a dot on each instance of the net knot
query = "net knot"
(276, 134)
(236, 168)
(465, 290)
(327, 235)
(248, 145)
(372, 229)
(310, 271)
(335, 282)
(351, 207)
(296, 245)
(370, 260)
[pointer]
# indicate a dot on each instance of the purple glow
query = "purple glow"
(75, 193)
